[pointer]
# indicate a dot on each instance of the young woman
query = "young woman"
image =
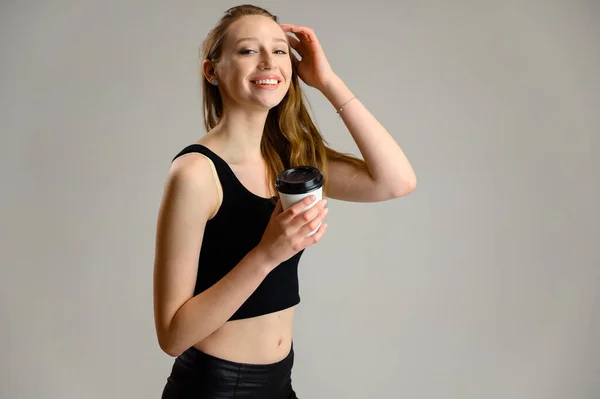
(225, 273)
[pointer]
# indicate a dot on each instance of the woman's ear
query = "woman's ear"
(209, 72)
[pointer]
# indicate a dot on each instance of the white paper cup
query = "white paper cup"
(297, 183)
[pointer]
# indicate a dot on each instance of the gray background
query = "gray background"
(483, 283)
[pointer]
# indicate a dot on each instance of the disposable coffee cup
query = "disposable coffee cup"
(297, 183)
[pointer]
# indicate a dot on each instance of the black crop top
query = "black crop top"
(234, 231)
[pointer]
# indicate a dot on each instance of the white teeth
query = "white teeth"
(266, 82)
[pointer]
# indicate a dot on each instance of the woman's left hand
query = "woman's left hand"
(313, 69)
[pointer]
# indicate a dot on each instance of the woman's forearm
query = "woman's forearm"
(206, 312)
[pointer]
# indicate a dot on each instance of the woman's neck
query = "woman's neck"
(240, 135)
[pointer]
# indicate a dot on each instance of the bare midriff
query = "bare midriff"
(263, 339)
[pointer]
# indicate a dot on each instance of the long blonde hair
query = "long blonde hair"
(290, 138)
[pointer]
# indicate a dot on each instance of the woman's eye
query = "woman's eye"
(248, 51)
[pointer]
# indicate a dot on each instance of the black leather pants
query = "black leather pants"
(198, 375)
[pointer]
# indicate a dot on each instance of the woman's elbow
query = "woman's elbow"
(167, 345)
(406, 187)
(170, 350)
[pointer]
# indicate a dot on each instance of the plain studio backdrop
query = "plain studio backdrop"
(482, 283)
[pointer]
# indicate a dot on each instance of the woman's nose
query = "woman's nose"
(267, 62)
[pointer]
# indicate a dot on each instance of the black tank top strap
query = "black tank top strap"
(229, 180)
(217, 161)
(225, 175)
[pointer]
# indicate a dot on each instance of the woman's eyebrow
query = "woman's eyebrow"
(276, 39)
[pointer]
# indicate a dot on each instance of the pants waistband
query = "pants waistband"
(196, 358)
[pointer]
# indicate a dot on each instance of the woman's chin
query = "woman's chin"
(268, 104)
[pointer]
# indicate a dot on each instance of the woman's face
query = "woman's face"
(255, 67)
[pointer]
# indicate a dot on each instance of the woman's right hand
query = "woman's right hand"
(285, 235)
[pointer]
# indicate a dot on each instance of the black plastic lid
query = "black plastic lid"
(299, 180)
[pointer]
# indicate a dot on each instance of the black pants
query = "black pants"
(198, 375)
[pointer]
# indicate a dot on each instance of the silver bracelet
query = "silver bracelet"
(339, 111)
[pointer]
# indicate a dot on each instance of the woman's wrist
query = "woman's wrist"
(262, 261)
(336, 91)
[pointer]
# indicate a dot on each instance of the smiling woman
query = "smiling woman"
(227, 255)
(288, 127)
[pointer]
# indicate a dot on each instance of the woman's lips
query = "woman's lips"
(267, 87)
